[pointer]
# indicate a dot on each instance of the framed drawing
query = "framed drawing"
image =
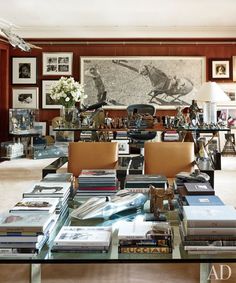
(165, 81)
(123, 146)
(220, 69)
(234, 68)
(24, 70)
(230, 90)
(40, 127)
(47, 102)
(25, 97)
(57, 63)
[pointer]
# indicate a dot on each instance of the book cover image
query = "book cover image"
(36, 204)
(199, 188)
(48, 188)
(98, 173)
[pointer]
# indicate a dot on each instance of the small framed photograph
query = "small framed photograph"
(230, 90)
(47, 101)
(57, 63)
(220, 69)
(123, 146)
(24, 70)
(40, 127)
(25, 97)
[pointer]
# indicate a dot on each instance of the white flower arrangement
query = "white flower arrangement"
(67, 92)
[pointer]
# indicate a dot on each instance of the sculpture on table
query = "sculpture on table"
(179, 120)
(157, 197)
(193, 113)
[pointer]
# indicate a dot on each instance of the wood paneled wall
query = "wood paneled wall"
(210, 48)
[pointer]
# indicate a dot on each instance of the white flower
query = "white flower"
(67, 91)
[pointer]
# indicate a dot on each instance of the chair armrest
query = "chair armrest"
(54, 166)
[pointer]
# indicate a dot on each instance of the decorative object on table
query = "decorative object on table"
(24, 70)
(67, 92)
(25, 97)
(229, 147)
(41, 128)
(220, 68)
(179, 120)
(57, 63)
(194, 110)
(210, 93)
(123, 145)
(21, 121)
(157, 197)
(167, 81)
(104, 207)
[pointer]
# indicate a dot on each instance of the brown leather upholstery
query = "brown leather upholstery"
(168, 158)
(92, 155)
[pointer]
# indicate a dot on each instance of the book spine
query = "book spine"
(211, 231)
(209, 223)
(158, 243)
(144, 250)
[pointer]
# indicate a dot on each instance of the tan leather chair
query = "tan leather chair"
(168, 158)
(92, 155)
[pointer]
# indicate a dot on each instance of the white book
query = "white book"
(48, 189)
(37, 204)
(90, 236)
(143, 230)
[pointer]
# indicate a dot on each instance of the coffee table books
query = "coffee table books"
(83, 239)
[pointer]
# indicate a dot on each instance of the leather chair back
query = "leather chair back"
(168, 158)
(92, 155)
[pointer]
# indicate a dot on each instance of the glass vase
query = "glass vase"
(69, 116)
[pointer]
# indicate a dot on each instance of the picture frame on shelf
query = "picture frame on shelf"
(164, 81)
(25, 97)
(24, 70)
(220, 68)
(47, 101)
(123, 146)
(41, 128)
(57, 63)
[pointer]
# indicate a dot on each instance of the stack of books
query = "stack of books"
(171, 135)
(140, 183)
(24, 234)
(83, 239)
(58, 177)
(209, 229)
(97, 182)
(145, 237)
(58, 190)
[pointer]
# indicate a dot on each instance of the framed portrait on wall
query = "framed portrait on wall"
(24, 70)
(47, 101)
(234, 68)
(230, 90)
(220, 68)
(25, 97)
(57, 63)
(164, 81)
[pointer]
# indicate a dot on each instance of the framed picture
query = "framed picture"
(40, 127)
(220, 69)
(230, 90)
(164, 81)
(47, 101)
(25, 97)
(123, 146)
(234, 68)
(24, 70)
(57, 63)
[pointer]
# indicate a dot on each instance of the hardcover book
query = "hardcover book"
(203, 200)
(143, 230)
(23, 222)
(58, 177)
(36, 204)
(89, 236)
(48, 189)
(210, 216)
(101, 173)
(199, 189)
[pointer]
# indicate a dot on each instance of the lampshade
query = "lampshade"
(210, 91)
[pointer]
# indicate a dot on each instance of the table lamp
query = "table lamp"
(210, 93)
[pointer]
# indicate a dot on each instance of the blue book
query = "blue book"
(203, 200)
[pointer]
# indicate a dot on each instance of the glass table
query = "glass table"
(178, 255)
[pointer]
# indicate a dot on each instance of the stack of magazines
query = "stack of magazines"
(145, 237)
(208, 229)
(97, 182)
(83, 239)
